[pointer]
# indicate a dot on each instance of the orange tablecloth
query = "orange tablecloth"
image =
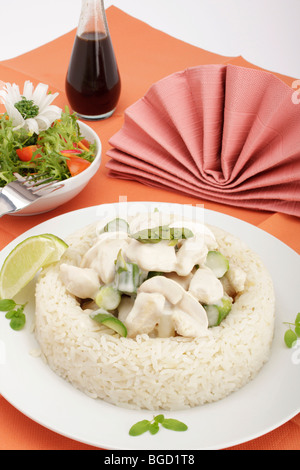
(145, 55)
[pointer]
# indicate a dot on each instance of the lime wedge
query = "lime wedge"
(26, 259)
(60, 248)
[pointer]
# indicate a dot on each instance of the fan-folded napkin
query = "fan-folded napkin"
(224, 133)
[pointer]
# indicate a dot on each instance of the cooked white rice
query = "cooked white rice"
(156, 373)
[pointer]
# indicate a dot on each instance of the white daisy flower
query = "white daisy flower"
(31, 110)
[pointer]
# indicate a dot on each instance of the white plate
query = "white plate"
(267, 402)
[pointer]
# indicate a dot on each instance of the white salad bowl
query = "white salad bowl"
(72, 186)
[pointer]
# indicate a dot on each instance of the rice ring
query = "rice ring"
(156, 373)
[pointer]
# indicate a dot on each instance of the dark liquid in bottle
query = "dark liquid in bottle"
(93, 83)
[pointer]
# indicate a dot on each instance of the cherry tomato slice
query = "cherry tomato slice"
(25, 154)
(77, 165)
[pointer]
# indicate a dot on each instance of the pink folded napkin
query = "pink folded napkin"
(223, 133)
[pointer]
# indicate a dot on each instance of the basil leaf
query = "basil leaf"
(290, 338)
(297, 329)
(174, 425)
(159, 418)
(17, 323)
(10, 314)
(6, 305)
(154, 428)
(140, 427)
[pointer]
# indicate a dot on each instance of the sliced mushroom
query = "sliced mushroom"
(165, 328)
(171, 290)
(81, 282)
(181, 313)
(125, 307)
(190, 318)
(145, 314)
(173, 293)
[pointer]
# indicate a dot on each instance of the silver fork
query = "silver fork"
(23, 192)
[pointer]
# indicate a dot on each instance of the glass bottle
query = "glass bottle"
(93, 83)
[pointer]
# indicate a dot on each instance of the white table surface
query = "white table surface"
(264, 32)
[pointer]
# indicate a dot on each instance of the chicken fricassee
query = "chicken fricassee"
(158, 275)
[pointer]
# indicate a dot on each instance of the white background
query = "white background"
(264, 32)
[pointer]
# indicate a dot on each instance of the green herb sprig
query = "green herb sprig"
(154, 426)
(293, 333)
(27, 108)
(15, 313)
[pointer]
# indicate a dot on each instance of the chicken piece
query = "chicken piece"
(145, 314)
(189, 317)
(101, 257)
(237, 278)
(199, 229)
(81, 282)
(206, 287)
(183, 281)
(152, 256)
(192, 251)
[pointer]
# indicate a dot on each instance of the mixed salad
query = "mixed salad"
(58, 153)
(37, 138)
